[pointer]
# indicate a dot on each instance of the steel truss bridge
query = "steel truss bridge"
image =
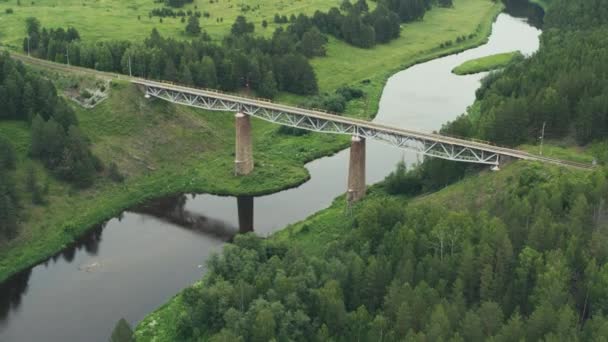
(428, 144)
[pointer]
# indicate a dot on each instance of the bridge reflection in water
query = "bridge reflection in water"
(172, 210)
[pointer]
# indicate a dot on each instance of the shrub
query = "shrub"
(115, 174)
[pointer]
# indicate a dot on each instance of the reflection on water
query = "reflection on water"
(524, 9)
(170, 209)
(173, 210)
(11, 292)
(245, 212)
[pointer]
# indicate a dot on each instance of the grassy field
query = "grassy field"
(486, 63)
(115, 19)
(419, 41)
(165, 149)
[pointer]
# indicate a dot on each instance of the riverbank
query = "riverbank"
(172, 166)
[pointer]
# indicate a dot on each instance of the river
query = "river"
(136, 262)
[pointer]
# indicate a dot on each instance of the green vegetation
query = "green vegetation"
(487, 63)
(162, 149)
(561, 151)
(518, 254)
(118, 20)
(567, 90)
(542, 3)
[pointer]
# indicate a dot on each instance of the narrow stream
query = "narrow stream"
(136, 262)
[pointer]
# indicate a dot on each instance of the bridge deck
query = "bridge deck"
(376, 129)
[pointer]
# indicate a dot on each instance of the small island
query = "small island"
(487, 63)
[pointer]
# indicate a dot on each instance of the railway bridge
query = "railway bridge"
(428, 144)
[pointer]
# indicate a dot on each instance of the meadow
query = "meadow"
(486, 63)
(115, 19)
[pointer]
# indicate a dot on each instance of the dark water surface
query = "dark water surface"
(138, 261)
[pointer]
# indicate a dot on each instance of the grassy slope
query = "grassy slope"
(486, 63)
(115, 19)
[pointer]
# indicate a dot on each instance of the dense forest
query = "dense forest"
(564, 85)
(525, 263)
(528, 263)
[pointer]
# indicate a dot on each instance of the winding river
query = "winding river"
(136, 262)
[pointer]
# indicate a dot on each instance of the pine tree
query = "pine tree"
(193, 27)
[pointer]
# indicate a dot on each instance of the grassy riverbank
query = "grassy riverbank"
(166, 149)
(486, 63)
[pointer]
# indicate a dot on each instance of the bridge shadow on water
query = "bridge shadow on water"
(173, 210)
(168, 209)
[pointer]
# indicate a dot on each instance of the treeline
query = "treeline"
(175, 3)
(527, 263)
(168, 12)
(242, 60)
(357, 25)
(564, 85)
(56, 139)
(9, 202)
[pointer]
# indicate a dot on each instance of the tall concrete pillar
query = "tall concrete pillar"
(356, 170)
(243, 162)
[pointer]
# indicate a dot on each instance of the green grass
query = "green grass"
(487, 63)
(115, 19)
(419, 42)
(165, 149)
(570, 153)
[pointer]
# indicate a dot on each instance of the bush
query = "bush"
(115, 174)
(402, 181)
(350, 93)
(9, 11)
(86, 94)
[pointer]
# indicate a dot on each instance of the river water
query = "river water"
(134, 263)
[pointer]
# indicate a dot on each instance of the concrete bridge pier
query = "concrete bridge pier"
(356, 170)
(243, 160)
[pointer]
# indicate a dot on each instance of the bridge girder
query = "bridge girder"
(419, 145)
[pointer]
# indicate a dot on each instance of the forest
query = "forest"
(56, 140)
(572, 102)
(527, 263)
(524, 260)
